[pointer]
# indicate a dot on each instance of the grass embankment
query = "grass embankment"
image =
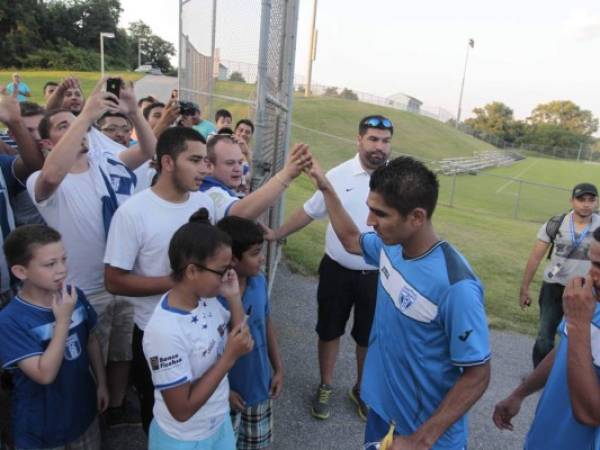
(37, 79)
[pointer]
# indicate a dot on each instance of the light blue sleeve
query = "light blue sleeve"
(371, 245)
(462, 314)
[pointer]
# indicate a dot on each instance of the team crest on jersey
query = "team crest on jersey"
(72, 347)
(407, 297)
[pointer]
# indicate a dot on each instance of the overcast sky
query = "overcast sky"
(526, 51)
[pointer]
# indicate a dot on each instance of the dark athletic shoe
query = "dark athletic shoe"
(362, 409)
(320, 404)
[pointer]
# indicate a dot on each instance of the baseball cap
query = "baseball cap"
(584, 188)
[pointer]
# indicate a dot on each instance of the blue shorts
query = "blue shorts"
(222, 439)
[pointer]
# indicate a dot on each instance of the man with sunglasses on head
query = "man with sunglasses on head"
(345, 280)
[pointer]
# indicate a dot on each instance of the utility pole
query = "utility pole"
(470, 45)
(312, 51)
(102, 36)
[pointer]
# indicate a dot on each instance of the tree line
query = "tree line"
(556, 124)
(66, 35)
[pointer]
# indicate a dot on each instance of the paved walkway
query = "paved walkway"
(294, 314)
(159, 86)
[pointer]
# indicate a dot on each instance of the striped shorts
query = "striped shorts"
(253, 426)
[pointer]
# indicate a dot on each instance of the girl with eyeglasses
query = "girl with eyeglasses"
(192, 341)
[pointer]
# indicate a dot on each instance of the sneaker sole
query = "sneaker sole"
(319, 416)
(357, 403)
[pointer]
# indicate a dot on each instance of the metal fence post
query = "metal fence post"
(518, 201)
(453, 189)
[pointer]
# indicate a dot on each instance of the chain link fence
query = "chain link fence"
(239, 55)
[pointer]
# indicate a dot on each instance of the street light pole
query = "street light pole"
(470, 45)
(140, 40)
(102, 36)
(311, 50)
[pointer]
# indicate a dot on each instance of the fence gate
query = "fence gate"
(239, 55)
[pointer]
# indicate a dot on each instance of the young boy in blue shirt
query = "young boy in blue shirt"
(252, 385)
(48, 346)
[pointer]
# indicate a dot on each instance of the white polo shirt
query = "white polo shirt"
(351, 183)
(180, 347)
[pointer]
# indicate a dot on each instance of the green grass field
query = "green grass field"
(36, 80)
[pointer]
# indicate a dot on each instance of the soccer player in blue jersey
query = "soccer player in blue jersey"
(49, 346)
(568, 413)
(428, 357)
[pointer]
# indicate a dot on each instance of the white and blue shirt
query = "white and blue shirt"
(10, 186)
(554, 411)
(180, 347)
(429, 323)
(222, 196)
(52, 415)
(253, 389)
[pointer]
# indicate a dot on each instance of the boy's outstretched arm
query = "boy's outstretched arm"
(275, 359)
(97, 363)
(341, 222)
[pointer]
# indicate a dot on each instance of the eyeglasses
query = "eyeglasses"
(111, 130)
(376, 122)
(221, 273)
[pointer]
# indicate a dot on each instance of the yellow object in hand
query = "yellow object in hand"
(386, 443)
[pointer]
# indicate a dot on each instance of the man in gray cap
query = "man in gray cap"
(569, 237)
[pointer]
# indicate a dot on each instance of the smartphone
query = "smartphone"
(113, 85)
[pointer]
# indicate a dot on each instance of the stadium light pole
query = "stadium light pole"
(470, 45)
(312, 50)
(102, 36)
(140, 40)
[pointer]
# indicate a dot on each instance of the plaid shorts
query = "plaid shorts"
(253, 426)
(89, 440)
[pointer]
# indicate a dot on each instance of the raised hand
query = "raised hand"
(127, 100)
(317, 175)
(98, 104)
(63, 304)
(579, 301)
(230, 287)
(10, 111)
(300, 159)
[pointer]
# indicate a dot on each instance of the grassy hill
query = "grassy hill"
(37, 79)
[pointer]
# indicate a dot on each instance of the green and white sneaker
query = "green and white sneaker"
(362, 408)
(320, 404)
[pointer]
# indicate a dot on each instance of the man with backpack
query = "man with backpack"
(568, 236)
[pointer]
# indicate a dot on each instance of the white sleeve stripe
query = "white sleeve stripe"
(20, 358)
(182, 380)
(473, 363)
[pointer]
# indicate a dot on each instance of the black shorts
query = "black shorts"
(339, 290)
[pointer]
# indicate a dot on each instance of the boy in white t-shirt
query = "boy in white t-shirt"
(77, 191)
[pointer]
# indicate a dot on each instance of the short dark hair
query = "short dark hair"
(222, 113)
(244, 234)
(364, 124)
(22, 241)
(173, 141)
(225, 130)
(45, 125)
(245, 122)
(149, 98)
(597, 234)
(212, 142)
(112, 114)
(30, 109)
(406, 184)
(148, 109)
(195, 242)
(48, 84)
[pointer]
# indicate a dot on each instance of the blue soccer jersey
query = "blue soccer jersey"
(429, 323)
(52, 415)
(554, 411)
(251, 375)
